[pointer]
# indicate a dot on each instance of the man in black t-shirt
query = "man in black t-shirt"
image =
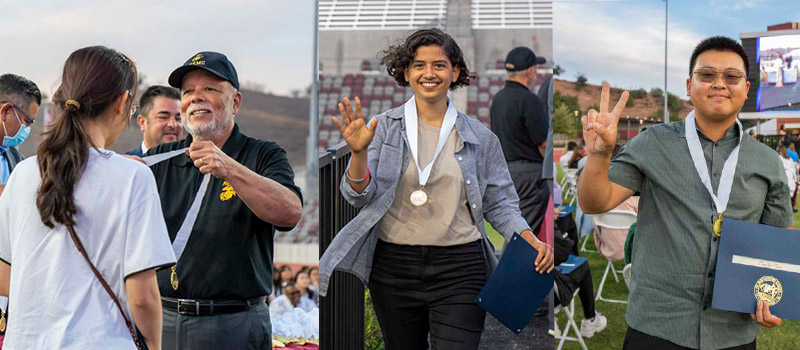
(519, 119)
(214, 298)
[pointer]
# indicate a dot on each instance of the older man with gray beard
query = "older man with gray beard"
(223, 195)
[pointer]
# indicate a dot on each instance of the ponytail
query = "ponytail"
(93, 78)
(62, 157)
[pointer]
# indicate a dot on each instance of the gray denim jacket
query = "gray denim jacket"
(490, 193)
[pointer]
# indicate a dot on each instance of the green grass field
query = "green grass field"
(785, 337)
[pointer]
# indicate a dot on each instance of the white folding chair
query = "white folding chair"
(583, 245)
(615, 220)
(570, 324)
(571, 187)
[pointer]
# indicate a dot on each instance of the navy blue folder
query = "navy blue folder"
(756, 259)
(571, 264)
(515, 290)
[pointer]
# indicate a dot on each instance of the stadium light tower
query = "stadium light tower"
(666, 92)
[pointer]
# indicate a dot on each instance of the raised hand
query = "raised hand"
(600, 128)
(353, 127)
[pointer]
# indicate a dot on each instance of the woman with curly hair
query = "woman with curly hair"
(425, 176)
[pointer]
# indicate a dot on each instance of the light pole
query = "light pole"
(666, 92)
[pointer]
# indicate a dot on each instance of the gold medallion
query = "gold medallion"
(2, 321)
(718, 225)
(419, 197)
(173, 279)
(769, 289)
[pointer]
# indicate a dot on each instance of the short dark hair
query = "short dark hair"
(150, 94)
(571, 145)
(398, 57)
(719, 43)
(19, 90)
(287, 285)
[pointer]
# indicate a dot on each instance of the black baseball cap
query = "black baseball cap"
(521, 58)
(213, 62)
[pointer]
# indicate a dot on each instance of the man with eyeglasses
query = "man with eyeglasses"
(675, 247)
(19, 102)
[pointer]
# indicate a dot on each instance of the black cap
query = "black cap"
(213, 62)
(521, 58)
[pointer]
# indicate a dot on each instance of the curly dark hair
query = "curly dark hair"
(398, 57)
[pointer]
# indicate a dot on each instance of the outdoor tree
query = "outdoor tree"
(638, 94)
(564, 121)
(557, 70)
(673, 102)
(656, 92)
(570, 101)
(581, 80)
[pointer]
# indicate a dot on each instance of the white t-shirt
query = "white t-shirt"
(56, 302)
(791, 173)
(564, 160)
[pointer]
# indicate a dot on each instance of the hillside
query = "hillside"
(590, 96)
(267, 117)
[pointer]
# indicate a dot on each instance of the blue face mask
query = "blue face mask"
(19, 138)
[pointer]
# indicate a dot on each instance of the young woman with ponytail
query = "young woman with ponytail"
(76, 201)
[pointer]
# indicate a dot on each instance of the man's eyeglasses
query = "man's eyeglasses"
(27, 119)
(709, 75)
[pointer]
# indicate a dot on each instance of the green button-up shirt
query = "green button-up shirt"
(674, 251)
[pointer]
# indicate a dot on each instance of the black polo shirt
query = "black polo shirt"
(229, 252)
(520, 122)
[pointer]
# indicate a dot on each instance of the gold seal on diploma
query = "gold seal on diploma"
(769, 289)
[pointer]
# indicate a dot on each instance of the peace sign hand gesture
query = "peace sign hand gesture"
(355, 131)
(600, 128)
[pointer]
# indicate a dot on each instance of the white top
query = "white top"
(282, 305)
(791, 173)
(564, 160)
(56, 300)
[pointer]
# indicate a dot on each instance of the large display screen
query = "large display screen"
(778, 61)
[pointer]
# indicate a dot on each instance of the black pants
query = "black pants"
(581, 278)
(418, 290)
(246, 330)
(532, 191)
(635, 340)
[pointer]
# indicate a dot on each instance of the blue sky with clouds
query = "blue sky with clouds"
(623, 41)
(269, 42)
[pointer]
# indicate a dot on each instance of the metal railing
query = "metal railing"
(341, 318)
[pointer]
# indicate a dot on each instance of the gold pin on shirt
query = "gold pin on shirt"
(718, 225)
(173, 279)
(2, 321)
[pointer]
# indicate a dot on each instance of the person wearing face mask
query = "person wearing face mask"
(19, 103)
(159, 118)
(234, 192)
(425, 176)
(519, 120)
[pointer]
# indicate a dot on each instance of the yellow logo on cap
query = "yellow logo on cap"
(196, 60)
(227, 192)
(769, 289)
(509, 66)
